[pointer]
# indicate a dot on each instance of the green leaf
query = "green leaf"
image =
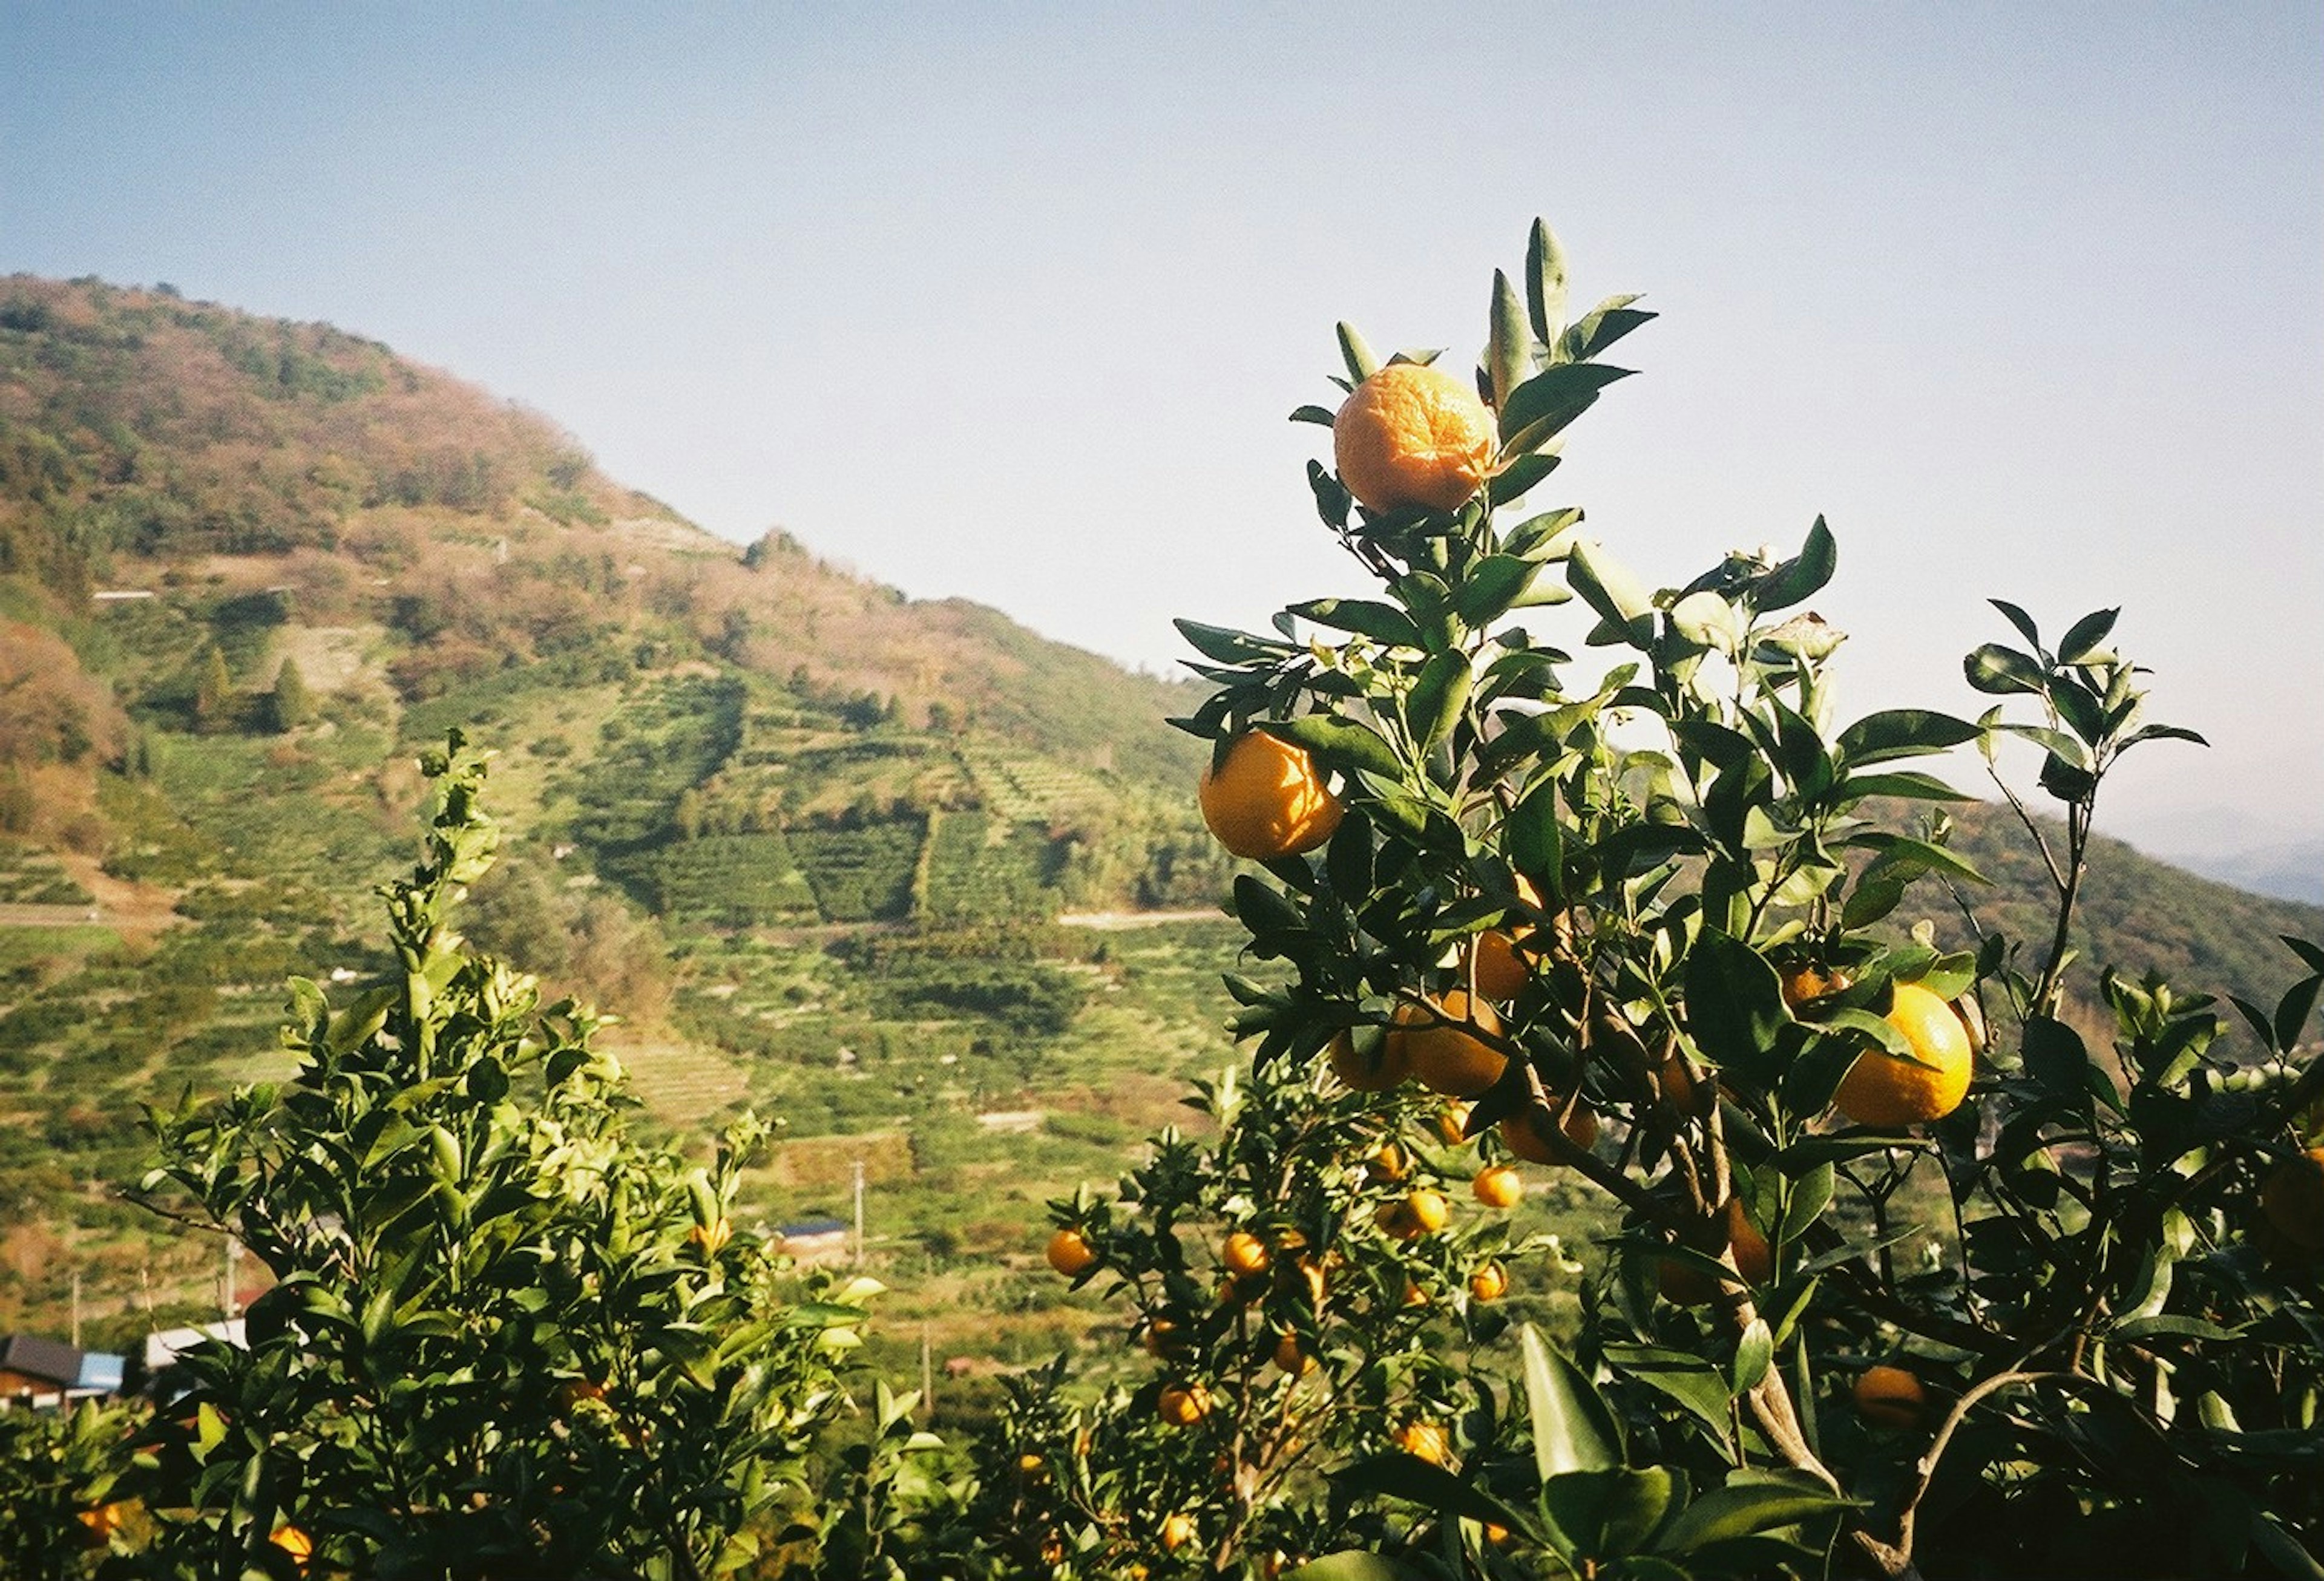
(1533, 840)
(1609, 587)
(1423, 1481)
(1903, 732)
(1338, 743)
(1545, 405)
(1546, 284)
(1351, 1565)
(1903, 852)
(1752, 1353)
(2056, 1057)
(1263, 908)
(1517, 475)
(2292, 1011)
(1802, 577)
(2022, 620)
(1544, 538)
(1491, 587)
(2086, 634)
(1383, 622)
(2282, 1549)
(2169, 1326)
(1509, 349)
(1227, 647)
(1904, 785)
(1770, 1499)
(1690, 1379)
(1321, 416)
(1608, 1514)
(1734, 1001)
(1438, 698)
(1357, 352)
(2000, 671)
(1600, 328)
(1810, 1194)
(1572, 1428)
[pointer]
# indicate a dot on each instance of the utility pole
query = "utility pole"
(76, 1309)
(859, 1213)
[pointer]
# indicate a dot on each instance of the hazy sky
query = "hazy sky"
(1011, 301)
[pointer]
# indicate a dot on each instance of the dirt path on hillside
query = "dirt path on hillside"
(137, 912)
(1116, 921)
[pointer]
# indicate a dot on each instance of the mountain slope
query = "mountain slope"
(807, 835)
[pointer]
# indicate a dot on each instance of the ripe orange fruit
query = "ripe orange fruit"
(1410, 434)
(1890, 1397)
(1496, 966)
(1522, 1133)
(1450, 1059)
(1316, 1279)
(1163, 1339)
(1678, 1085)
(1177, 1531)
(101, 1523)
(1358, 1076)
(1500, 961)
(1425, 1212)
(1289, 1358)
(1266, 800)
(1425, 1440)
(294, 1542)
(1244, 1252)
(574, 1390)
(1414, 1296)
(1805, 981)
(1754, 1260)
(1881, 1090)
(2293, 1199)
(1184, 1405)
(1069, 1254)
(1497, 1186)
(1489, 1284)
(1386, 1164)
(1453, 1123)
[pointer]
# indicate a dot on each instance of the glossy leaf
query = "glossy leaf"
(1508, 354)
(1546, 284)
(2000, 671)
(1338, 743)
(1383, 622)
(2085, 635)
(1734, 1001)
(1541, 408)
(1802, 577)
(1572, 1428)
(1751, 1503)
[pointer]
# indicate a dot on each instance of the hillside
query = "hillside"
(810, 838)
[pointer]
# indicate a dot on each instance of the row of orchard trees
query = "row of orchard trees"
(1899, 1273)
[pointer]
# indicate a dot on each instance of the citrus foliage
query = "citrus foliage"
(1307, 1287)
(1703, 855)
(505, 1339)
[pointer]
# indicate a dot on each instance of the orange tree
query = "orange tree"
(1305, 1284)
(2075, 1292)
(506, 1338)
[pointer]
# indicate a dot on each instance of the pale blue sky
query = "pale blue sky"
(1010, 301)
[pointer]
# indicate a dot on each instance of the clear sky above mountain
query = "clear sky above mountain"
(1011, 301)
